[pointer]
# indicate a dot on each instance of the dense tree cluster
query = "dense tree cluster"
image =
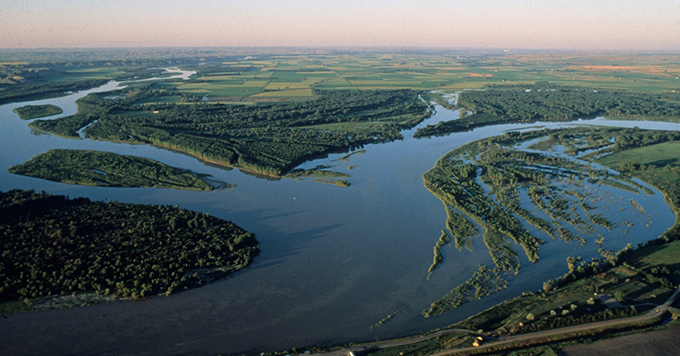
(542, 101)
(29, 112)
(34, 91)
(271, 139)
(89, 109)
(547, 102)
(55, 245)
(107, 169)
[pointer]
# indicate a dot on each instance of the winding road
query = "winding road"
(657, 312)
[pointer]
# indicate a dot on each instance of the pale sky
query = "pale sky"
(556, 24)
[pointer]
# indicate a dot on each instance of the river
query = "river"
(334, 261)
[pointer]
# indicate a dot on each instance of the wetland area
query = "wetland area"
(337, 264)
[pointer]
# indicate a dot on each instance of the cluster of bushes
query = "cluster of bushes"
(483, 282)
(564, 320)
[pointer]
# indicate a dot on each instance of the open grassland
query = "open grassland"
(286, 93)
(660, 155)
(663, 342)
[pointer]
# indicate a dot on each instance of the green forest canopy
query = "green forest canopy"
(269, 139)
(503, 104)
(107, 169)
(55, 245)
(29, 112)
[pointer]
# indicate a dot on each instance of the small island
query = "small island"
(29, 112)
(109, 170)
(55, 246)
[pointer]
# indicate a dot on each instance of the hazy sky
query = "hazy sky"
(572, 24)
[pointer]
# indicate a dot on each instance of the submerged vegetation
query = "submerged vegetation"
(55, 245)
(443, 240)
(320, 176)
(485, 181)
(108, 169)
(483, 282)
(29, 112)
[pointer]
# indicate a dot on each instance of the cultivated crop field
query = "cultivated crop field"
(291, 77)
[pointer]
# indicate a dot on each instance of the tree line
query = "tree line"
(502, 104)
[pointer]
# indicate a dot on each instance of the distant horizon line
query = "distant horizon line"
(354, 47)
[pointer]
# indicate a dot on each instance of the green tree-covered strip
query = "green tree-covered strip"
(90, 108)
(483, 282)
(443, 240)
(502, 104)
(29, 112)
(43, 90)
(107, 169)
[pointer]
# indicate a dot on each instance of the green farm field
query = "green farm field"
(225, 78)
(659, 155)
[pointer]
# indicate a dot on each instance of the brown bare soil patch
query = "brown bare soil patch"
(614, 67)
(477, 75)
(663, 342)
(663, 71)
(225, 98)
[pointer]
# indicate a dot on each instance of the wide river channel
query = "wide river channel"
(334, 261)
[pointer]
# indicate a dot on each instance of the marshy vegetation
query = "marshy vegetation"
(489, 183)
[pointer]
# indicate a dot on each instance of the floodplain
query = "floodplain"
(378, 232)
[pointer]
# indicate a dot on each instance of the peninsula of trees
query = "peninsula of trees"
(55, 245)
(270, 139)
(108, 169)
